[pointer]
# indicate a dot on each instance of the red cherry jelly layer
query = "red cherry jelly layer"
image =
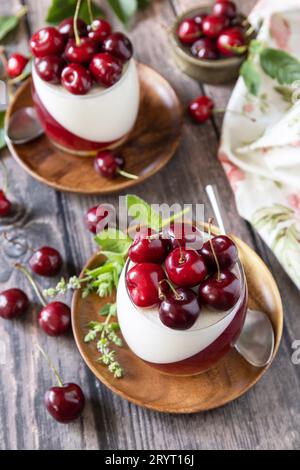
(208, 357)
(64, 138)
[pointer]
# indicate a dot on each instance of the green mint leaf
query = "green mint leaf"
(280, 66)
(113, 309)
(2, 139)
(104, 311)
(62, 9)
(251, 77)
(142, 212)
(113, 242)
(255, 47)
(124, 9)
(7, 24)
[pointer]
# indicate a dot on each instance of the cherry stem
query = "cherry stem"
(176, 295)
(5, 176)
(76, 33)
(127, 175)
(181, 257)
(89, 3)
(224, 110)
(210, 221)
(32, 282)
(52, 366)
(22, 12)
(250, 31)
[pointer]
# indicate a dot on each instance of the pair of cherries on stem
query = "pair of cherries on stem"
(202, 108)
(64, 402)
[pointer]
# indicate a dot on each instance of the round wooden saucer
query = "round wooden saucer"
(149, 147)
(144, 386)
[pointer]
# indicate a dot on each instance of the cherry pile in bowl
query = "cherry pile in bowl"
(217, 34)
(179, 280)
(80, 56)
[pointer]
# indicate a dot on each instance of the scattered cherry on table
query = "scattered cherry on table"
(64, 402)
(201, 109)
(5, 205)
(16, 64)
(95, 219)
(13, 303)
(46, 261)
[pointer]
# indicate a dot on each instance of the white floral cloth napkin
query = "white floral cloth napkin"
(260, 145)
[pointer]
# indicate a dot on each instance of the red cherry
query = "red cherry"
(230, 41)
(119, 46)
(198, 19)
(201, 109)
(183, 234)
(94, 219)
(226, 252)
(143, 283)
(188, 31)
(110, 164)
(106, 69)
(65, 403)
(55, 318)
(99, 30)
(213, 25)
(225, 8)
(13, 303)
(179, 309)
(147, 250)
(205, 49)
(66, 28)
(220, 293)
(16, 64)
(47, 41)
(49, 68)
(80, 53)
(5, 205)
(46, 261)
(185, 268)
(76, 79)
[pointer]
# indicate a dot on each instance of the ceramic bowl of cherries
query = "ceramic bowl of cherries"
(210, 42)
(77, 55)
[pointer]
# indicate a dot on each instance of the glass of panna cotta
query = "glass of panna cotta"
(86, 124)
(182, 349)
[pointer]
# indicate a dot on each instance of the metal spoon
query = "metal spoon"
(256, 341)
(23, 126)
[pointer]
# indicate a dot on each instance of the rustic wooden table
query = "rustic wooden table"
(267, 417)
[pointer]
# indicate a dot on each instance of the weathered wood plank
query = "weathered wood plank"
(267, 417)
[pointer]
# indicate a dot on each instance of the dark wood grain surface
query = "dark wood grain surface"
(268, 417)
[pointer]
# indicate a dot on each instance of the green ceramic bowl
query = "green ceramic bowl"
(215, 72)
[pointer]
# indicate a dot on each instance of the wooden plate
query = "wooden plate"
(146, 387)
(150, 146)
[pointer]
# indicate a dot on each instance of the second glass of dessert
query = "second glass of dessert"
(85, 85)
(182, 298)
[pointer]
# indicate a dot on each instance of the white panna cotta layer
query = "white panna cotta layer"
(152, 341)
(102, 115)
